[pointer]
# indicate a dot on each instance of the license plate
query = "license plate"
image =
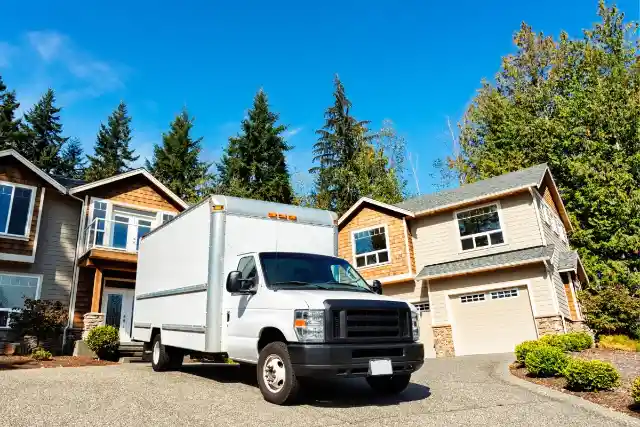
(380, 367)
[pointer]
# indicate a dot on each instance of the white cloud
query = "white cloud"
(292, 132)
(48, 44)
(6, 52)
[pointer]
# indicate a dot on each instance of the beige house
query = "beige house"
(487, 264)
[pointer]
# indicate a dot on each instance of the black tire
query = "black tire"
(161, 359)
(283, 387)
(392, 384)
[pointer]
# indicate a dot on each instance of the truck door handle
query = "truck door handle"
(228, 316)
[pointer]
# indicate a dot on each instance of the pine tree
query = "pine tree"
(176, 163)
(10, 126)
(112, 153)
(254, 163)
(43, 139)
(350, 166)
(72, 162)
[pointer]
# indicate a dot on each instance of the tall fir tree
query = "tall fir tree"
(72, 160)
(10, 126)
(350, 166)
(43, 134)
(112, 154)
(177, 162)
(254, 163)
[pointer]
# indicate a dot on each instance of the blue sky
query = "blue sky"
(413, 62)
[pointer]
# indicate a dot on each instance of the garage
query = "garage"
(426, 332)
(492, 321)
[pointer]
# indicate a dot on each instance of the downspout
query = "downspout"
(76, 269)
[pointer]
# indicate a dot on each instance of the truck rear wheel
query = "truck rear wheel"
(160, 355)
(392, 384)
(276, 379)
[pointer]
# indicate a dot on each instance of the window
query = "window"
(371, 247)
(16, 204)
(480, 227)
(508, 293)
(166, 217)
(247, 266)
(472, 298)
(422, 306)
(98, 221)
(13, 290)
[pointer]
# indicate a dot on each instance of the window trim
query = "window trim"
(507, 293)
(353, 247)
(32, 203)
(38, 290)
(502, 228)
(471, 295)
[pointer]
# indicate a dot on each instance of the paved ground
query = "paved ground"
(450, 392)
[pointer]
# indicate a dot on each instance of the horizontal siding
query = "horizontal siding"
(540, 290)
(412, 291)
(135, 191)
(55, 252)
(563, 303)
(437, 240)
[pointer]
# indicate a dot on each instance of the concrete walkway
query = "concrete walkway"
(445, 392)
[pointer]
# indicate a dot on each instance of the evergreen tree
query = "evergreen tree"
(112, 153)
(350, 165)
(72, 162)
(574, 104)
(10, 126)
(42, 129)
(176, 163)
(254, 163)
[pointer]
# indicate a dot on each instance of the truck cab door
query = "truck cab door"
(242, 325)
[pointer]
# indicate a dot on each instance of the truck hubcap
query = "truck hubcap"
(274, 373)
(156, 352)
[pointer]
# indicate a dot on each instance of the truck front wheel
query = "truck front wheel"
(276, 379)
(392, 384)
(160, 355)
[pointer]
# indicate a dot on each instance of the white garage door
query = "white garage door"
(492, 322)
(426, 332)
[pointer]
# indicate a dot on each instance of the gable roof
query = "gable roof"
(42, 174)
(367, 200)
(129, 174)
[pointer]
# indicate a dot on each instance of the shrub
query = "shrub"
(591, 375)
(524, 348)
(555, 340)
(577, 341)
(613, 310)
(41, 354)
(635, 390)
(618, 342)
(546, 361)
(43, 319)
(104, 341)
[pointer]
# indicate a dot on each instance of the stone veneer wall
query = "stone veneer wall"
(549, 325)
(91, 320)
(443, 341)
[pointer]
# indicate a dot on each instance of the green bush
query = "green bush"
(612, 310)
(546, 361)
(40, 318)
(618, 342)
(555, 340)
(635, 390)
(104, 341)
(524, 348)
(591, 375)
(573, 341)
(41, 354)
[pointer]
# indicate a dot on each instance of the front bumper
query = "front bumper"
(352, 360)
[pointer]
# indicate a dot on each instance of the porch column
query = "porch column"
(97, 291)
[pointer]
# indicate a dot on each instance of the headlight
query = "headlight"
(309, 325)
(415, 325)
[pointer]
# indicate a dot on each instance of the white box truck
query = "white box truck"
(260, 283)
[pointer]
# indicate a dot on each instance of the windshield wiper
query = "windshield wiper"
(353, 285)
(299, 282)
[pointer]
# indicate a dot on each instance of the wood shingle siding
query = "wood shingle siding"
(136, 191)
(368, 218)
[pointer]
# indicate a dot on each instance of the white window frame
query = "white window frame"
(482, 297)
(27, 231)
(423, 306)
(473, 236)
(37, 296)
(506, 293)
(353, 247)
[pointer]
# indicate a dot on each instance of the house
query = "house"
(75, 242)
(488, 264)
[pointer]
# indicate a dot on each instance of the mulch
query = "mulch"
(26, 362)
(627, 363)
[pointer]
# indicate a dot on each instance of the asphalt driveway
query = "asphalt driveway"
(460, 391)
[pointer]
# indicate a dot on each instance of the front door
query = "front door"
(127, 231)
(117, 304)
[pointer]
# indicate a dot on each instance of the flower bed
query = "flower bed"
(27, 362)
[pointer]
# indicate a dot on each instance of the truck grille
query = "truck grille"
(369, 324)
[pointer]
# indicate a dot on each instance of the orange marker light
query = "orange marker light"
(292, 218)
(300, 323)
(272, 215)
(282, 216)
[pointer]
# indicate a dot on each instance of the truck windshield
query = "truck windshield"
(286, 270)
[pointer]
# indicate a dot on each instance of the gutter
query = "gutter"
(483, 269)
(76, 269)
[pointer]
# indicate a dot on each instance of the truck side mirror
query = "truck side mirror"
(234, 282)
(376, 287)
